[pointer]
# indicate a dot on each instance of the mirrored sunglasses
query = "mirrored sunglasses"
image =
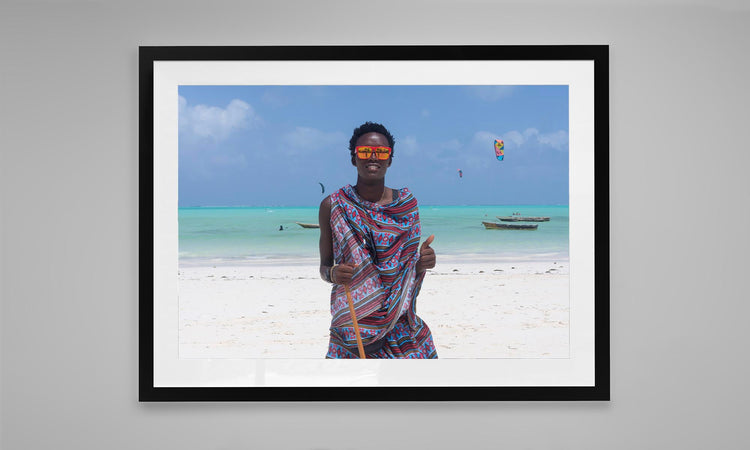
(366, 151)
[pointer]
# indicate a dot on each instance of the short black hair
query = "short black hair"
(370, 127)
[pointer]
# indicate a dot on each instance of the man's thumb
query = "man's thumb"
(429, 240)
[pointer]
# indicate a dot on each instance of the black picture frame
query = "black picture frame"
(599, 390)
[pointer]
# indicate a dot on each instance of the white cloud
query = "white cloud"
(557, 140)
(484, 137)
(408, 145)
(452, 146)
(490, 93)
(213, 122)
(232, 160)
(303, 139)
(275, 99)
(515, 137)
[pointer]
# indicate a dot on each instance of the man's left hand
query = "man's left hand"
(426, 255)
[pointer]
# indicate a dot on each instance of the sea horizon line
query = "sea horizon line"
(421, 205)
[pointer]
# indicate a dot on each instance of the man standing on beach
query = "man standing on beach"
(369, 234)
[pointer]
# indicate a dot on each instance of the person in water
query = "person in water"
(369, 242)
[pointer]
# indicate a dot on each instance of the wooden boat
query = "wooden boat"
(308, 225)
(522, 219)
(509, 226)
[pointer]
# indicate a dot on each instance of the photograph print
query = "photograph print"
(257, 162)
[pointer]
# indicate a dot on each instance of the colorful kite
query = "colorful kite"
(499, 149)
(460, 173)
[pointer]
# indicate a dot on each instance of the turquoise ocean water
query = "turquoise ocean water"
(236, 234)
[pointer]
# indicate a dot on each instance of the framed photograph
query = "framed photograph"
(442, 211)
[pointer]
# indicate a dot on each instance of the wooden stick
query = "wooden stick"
(354, 321)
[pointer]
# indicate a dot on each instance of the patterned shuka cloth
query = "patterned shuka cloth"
(382, 242)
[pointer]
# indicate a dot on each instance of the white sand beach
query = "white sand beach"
(475, 308)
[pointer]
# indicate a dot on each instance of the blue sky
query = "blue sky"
(271, 145)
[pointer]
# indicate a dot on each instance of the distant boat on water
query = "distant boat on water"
(522, 219)
(509, 226)
(308, 225)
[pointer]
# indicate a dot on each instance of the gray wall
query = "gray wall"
(680, 251)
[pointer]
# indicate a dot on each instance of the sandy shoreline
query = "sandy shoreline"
(492, 308)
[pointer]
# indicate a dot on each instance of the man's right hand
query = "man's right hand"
(343, 273)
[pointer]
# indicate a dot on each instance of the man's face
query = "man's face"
(372, 168)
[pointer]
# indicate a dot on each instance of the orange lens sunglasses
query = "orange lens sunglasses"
(365, 152)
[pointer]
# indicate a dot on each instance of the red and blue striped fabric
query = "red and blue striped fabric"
(382, 242)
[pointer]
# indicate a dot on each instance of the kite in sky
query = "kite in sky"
(499, 149)
(322, 188)
(460, 173)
